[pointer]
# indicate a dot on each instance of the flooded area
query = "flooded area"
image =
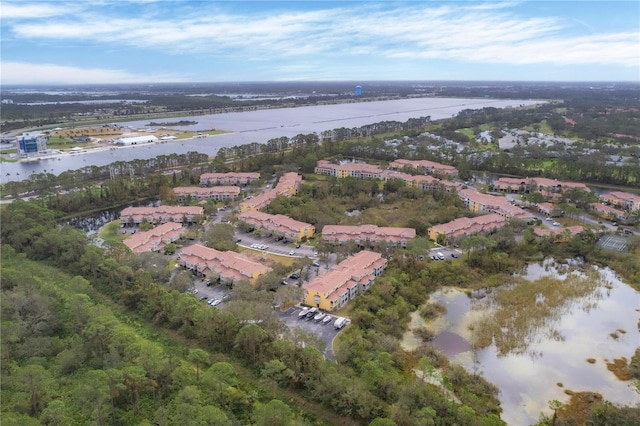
(577, 320)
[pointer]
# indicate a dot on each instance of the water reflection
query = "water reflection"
(586, 328)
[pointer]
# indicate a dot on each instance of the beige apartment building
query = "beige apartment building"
(161, 214)
(155, 239)
(224, 265)
(368, 235)
(353, 275)
(208, 179)
(279, 225)
(217, 193)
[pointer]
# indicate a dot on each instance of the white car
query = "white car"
(555, 224)
(215, 302)
(548, 218)
(292, 252)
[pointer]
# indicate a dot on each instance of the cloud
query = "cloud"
(492, 33)
(28, 73)
(32, 11)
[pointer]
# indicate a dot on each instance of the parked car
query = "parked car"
(319, 316)
(312, 313)
(297, 245)
(316, 264)
(454, 255)
(303, 313)
(215, 302)
(238, 240)
(292, 252)
(440, 256)
(340, 322)
(294, 276)
(327, 319)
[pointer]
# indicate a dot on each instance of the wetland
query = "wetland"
(554, 323)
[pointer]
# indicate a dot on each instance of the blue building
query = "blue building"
(32, 144)
(358, 90)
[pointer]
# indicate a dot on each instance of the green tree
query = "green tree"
(201, 360)
(94, 394)
(220, 237)
(35, 381)
(273, 413)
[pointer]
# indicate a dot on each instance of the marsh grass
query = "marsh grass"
(432, 310)
(619, 367)
(525, 312)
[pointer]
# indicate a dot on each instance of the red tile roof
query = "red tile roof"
(226, 263)
(154, 239)
(354, 270)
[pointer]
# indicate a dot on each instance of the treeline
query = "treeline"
(100, 187)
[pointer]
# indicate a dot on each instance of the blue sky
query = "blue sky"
(135, 41)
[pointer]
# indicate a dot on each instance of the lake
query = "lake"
(602, 325)
(261, 126)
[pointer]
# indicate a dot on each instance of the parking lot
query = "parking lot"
(447, 253)
(219, 292)
(325, 331)
(271, 245)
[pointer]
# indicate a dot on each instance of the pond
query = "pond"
(535, 361)
(91, 223)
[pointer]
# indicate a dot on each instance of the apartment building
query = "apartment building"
(218, 193)
(424, 166)
(623, 200)
(289, 183)
(609, 212)
(357, 170)
(367, 235)
(155, 239)
(279, 225)
(424, 182)
(353, 275)
(537, 184)
(560, 235)
(478, 202)
(208, 179)
(224, 265)
(161, 214)
(466, 226)
(287, 186)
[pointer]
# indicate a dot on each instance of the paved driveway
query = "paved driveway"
(326, 332)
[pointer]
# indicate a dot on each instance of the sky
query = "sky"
(154, 41)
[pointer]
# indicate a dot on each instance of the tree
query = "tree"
(250, 342)
(182, 281)
(94, 392)
(37, 382)
(278, 371)
(201, 360)
(220, 237)
(555, 405)
(274, 413)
